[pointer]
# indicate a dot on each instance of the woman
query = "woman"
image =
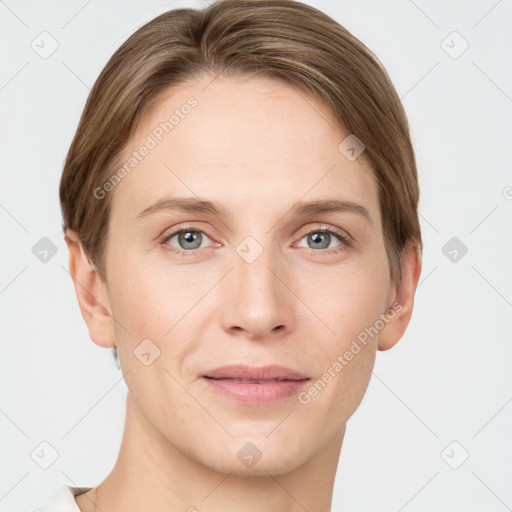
(240, 207)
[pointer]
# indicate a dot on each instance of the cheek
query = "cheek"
(159, 304)
(344, 362)
(347, 299)
(150, 311)
(350, 304)
(151, 298)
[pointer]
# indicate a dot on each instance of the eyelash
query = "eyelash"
(345, 239)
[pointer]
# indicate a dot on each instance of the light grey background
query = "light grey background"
(449, 377)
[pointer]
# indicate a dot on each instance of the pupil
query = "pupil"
(189, 237)
(320, 239)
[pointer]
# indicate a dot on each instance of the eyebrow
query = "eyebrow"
(184, 204)
(331, 206)
(300, 208)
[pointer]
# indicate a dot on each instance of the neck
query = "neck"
(151, 474)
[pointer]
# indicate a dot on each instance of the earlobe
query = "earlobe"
(91, 293)
(403, 302)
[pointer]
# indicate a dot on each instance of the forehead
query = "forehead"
(247, 143)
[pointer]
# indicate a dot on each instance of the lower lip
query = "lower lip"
(256, 393)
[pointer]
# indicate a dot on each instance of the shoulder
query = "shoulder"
(63, 500)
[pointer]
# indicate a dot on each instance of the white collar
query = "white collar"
(64, 500)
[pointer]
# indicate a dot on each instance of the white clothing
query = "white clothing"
(63, 500)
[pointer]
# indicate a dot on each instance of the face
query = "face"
(258, 281)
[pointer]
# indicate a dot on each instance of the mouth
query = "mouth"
(255, 385)
(255, 381)
(272, 372)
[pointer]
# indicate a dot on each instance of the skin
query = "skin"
(257, 146)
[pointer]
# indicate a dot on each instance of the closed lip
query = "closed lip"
(255, 373)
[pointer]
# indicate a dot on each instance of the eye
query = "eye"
(187, 240)
(318, 239)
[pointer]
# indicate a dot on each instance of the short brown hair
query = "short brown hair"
(280, 39)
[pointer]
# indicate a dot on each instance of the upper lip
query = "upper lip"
(241, 371)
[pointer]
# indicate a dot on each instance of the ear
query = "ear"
(91, 293)
(402, 298)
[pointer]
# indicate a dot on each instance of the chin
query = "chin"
(274, 466)
(256, 457)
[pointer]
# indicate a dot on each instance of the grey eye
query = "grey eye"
(320, 240)
(188, 239)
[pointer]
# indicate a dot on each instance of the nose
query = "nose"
(259, 301)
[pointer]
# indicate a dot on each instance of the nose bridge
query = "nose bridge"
(259, 302)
